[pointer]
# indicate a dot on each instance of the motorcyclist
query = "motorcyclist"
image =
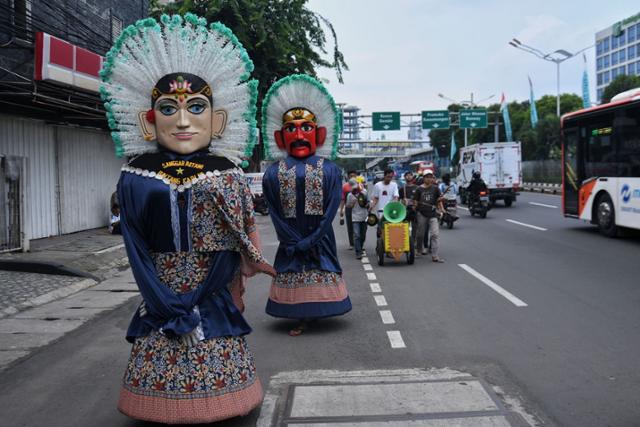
(476, 185)
(449, 191)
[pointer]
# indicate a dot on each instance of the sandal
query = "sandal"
(298, 330)
(439, 260)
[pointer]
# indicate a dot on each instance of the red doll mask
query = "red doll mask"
(300, 136)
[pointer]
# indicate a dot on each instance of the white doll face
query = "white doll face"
(183, 125)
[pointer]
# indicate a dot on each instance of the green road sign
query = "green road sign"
(435, 119)
(473, 118)
(386, 121)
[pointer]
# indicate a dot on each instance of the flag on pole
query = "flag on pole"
(532, 101)
(586, 99)
(454, 149)
(505, 116)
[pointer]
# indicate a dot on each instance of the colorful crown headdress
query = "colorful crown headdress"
(148, 50)
(300, 92)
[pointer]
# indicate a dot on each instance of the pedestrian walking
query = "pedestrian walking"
(384, 192)
(359, 204)
(345, 212)
(429, 207)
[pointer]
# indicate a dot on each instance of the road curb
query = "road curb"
(43, 267)
(541, 187)
(49, 297)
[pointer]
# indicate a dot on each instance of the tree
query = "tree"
(282, 37)
(618, 85)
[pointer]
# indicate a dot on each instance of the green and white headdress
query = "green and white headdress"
(300, 91)
(148, 50)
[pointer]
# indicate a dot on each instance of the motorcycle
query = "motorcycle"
(260, 204)
(480, 204)
(450, 214)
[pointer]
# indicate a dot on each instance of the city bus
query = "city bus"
(601, 164)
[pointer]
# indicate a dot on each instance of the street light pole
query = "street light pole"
(558, 89)
(557, 57)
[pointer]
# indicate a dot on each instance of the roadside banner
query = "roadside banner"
(504, 107)
(532, 101)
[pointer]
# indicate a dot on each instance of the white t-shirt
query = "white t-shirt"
(385, 194)
(450, 192)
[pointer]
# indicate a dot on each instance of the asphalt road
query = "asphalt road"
(570, 354)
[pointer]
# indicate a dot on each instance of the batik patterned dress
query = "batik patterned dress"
(303, 197)
(188, 226)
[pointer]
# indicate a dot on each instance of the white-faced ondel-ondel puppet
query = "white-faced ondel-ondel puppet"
(180, 105)
(303, 188)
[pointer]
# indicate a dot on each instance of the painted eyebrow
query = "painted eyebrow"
(167, 101)
(193, 100)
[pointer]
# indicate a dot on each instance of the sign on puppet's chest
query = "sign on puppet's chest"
(180, 172)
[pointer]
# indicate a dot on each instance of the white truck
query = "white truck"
(500, 166)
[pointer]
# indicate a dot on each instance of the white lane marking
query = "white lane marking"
(463, 208)
(381, 301)
(365, 260)
(543, 205)
(508, 295)
(111, 249)
(387, 317)
(535, 227)
(395, 339)
(375, 287)
(371, 276)
(367, 267)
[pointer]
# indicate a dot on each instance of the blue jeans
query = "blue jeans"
(359, 236)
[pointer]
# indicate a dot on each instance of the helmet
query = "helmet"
(476, 175)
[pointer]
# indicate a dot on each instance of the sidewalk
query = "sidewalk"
(60, 284)
(58, 266)
(28, 330)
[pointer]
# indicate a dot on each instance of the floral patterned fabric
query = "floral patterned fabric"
(222, 215)
(287, 178)
(164, 367)
(313, 178)
(313, 188)
(317, 278)
(182, 272)
(161, 366)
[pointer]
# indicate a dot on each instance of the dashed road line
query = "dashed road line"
(463, 208)
(387, 317)
(381, 301)
(535, 227)
(395, 338)
(508, 295)
(543, 205)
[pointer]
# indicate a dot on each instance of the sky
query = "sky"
(402, 53)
